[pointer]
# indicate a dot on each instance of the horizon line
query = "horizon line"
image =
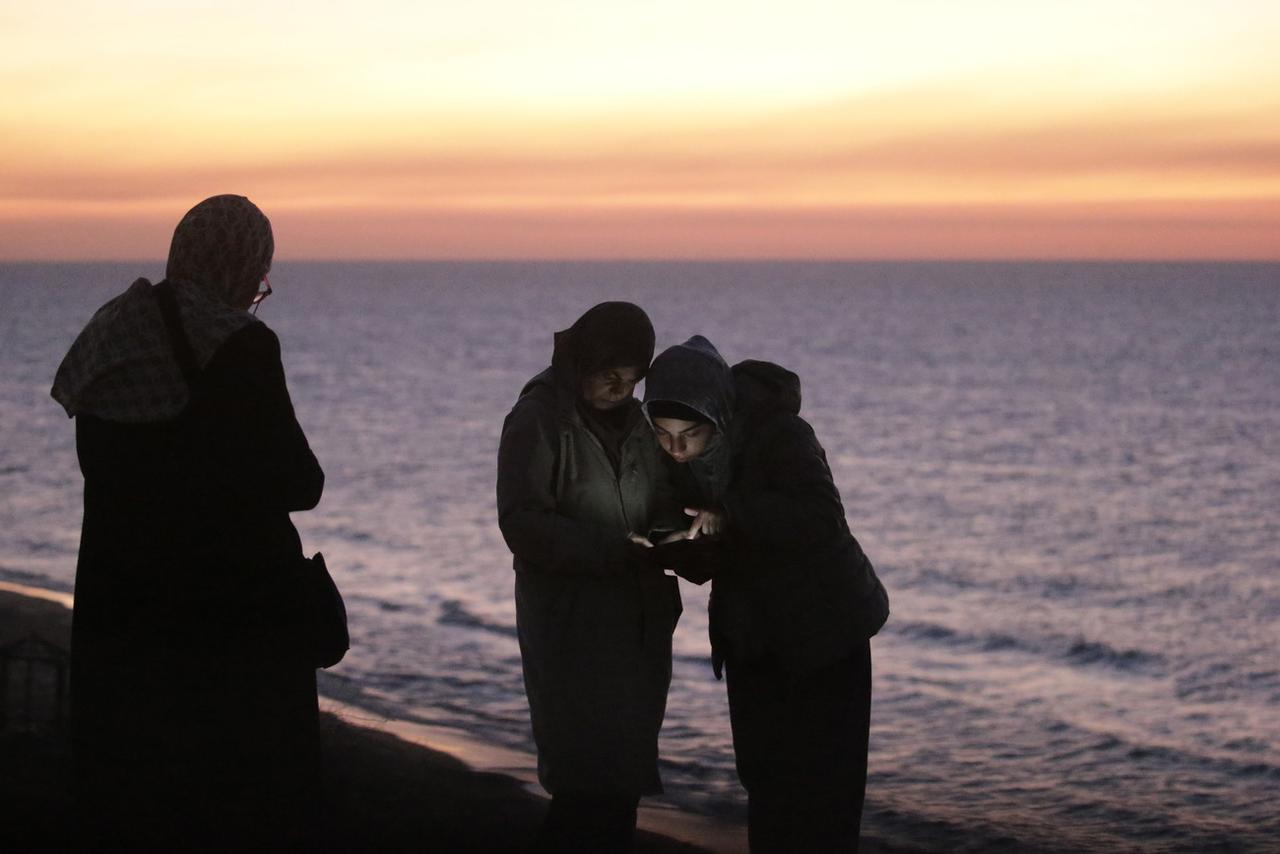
(1047, 259)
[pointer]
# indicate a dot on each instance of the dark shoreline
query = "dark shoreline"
(385, 792)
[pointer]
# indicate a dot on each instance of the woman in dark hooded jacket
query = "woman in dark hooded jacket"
(793, 601)
(580, 482)
(194, 717)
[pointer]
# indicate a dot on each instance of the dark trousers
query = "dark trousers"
(587, 823)
(801, 748)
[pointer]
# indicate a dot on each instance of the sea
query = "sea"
(1066, 474)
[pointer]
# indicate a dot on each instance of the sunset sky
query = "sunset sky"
(691, 129)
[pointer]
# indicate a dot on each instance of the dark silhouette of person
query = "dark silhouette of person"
(194, 718)
(793, 601)
(580, 482)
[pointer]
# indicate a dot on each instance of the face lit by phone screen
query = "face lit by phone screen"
(683, 440)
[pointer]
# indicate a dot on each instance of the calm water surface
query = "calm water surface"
(1067, 475)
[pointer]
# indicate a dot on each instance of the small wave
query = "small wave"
(930, 577)
(1248, 744)
(1037, 587)
(1232, 768)
(454, 613)
(924, 631)
(1076, 651)
(1078, 743)
(43, 548)
(1263, 678)
(345, 533)
(1055, 587)
(999, 641)
(387, 606)
(32, 579)
(701, 660)
(1082, 745)
(1221, 682)
(1093, 652)
(394, 679)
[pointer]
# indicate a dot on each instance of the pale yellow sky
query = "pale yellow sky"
(682, 129)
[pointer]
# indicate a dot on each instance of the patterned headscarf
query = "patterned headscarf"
(220, 244)
(122, 367)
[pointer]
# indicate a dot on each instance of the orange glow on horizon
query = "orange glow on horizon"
(482, 133)
(1237, 230)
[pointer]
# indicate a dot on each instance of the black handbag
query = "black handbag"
(326, 613)
(323, 616)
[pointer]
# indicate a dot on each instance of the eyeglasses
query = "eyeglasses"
(264, 291)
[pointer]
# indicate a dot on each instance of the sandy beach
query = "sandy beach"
(388, 788)
(385, 793)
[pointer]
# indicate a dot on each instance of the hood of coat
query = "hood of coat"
(763, 388)
(693, 374)
(607, 335)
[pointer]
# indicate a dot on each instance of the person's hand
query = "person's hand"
(674, 537)
(640, 540)
(708, 522)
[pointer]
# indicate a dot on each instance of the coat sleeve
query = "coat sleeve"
(536, 533)
(792, 501)
(261, 439)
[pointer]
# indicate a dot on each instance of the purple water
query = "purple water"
(1067, 475)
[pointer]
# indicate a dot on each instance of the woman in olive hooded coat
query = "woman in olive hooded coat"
(794, 600)
(580, 479)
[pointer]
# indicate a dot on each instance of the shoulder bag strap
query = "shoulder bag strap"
(177, 335)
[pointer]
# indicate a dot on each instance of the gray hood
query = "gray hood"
(693, 374)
